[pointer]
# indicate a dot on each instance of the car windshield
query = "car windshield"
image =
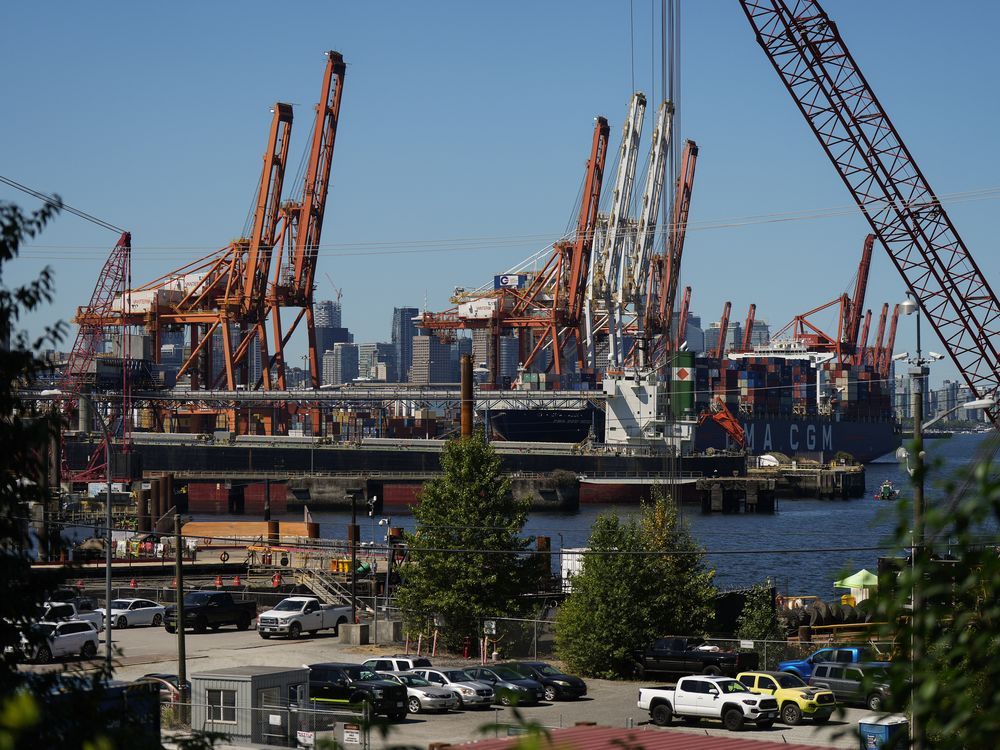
(43, 630)
(788, 680)
(197, 597)
(120, 604)
(414, 681)
(878, 674)
(288, 606)
(732, 686)
(547, 670)
(506, 673)
(361, 673)
(458, 675)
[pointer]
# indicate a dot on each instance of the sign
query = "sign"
(352, 734)
(746, 644)
(509, 281)
(305, 739)
(477, 308)
(274, 720)
(489, 627)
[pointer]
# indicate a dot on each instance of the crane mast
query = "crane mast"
(748, 328)
(720, 347)
(817, 69)
(853, 322)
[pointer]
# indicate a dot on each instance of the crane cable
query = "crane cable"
(53, 201)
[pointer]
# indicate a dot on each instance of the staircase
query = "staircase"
(327, 588)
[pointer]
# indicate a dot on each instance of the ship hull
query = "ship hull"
(813, 437)
(547, 425)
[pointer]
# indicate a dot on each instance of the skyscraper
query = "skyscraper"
(340, 364)
(329, 332)
(431, 361)
(403, 331)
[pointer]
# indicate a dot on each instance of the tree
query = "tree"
(465, 555)
(642, 577)
(954, 684)
(758, 621)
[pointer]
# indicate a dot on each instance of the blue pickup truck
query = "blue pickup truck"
(843, 654)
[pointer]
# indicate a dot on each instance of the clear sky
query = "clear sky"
(467, 120)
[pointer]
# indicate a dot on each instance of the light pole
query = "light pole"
(107, 517)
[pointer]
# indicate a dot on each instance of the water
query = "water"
(804, 525)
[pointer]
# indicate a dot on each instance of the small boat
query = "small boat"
(886, 491)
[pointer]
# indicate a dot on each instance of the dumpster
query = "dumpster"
(883, 731)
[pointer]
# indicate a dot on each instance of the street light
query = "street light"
(53, 394)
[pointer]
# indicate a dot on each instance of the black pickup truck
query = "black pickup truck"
(211, 609)
(340, 684)
(687, 656)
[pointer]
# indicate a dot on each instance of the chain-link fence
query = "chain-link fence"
(510, 638)
(772, 653)
(280, 725)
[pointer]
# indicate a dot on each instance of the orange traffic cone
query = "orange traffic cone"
(218, 582)
(236, 581)
(133, 584)
(173, 583)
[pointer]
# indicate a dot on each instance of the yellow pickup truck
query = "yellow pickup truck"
(796, 699)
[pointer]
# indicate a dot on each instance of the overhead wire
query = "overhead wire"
(52, 201)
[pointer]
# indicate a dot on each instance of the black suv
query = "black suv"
(335, 683)
(864, 683)
(558, 685)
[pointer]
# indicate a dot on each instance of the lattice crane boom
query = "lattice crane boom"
(817, 69)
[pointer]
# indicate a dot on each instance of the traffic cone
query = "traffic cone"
(173, 583)
(218, 582)
(236, 581)
(133, 584)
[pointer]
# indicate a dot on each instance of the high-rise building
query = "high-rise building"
(761, 334)
(734, 336)
(377, 360)
(510, 357)
(327, 313)
(431, 361)
(340, 364)
(329, 330)
(403, 331)
(459, 347)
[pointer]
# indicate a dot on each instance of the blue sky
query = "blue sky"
(471, 120)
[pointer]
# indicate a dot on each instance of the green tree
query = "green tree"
(642, 577)
(952, 689)
(758, 621)
(465, 555)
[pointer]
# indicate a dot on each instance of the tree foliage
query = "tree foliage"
(758, 621)
(643, 577)
(952, 689)
(464, 564)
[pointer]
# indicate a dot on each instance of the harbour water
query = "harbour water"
(796, 548)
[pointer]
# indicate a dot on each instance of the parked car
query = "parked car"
(169, 685)
(691, 656)
(849, 685)
(844, 655)
(709, 697)
(211, 609)
(421, 695)
(796, 700)
(59, 611)
(344, 684)
(128, 612)
(558, 685)
(510, 688)
(397, 663)
(48, 640)
(295, 615)
(471, 693)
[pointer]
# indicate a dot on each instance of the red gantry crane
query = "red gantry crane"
(820, 73)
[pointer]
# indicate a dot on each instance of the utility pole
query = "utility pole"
(179, 574)
(352, 535)
(918, 376)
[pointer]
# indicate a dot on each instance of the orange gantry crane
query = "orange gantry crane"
(227, 299)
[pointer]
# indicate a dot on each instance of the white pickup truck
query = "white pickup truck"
(59, 611)
(301, 614)
(704, 697)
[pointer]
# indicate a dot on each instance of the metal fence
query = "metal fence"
(280, 725)
(772, 653)
(513, 638)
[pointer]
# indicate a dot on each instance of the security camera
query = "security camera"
(900, 357)
(935, 356)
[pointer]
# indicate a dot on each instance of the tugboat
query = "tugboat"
(886, 491)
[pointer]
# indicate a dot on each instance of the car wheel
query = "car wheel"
(414, 705)
(157, 620)
(874, 702)
(639, 672)
(712, 669)
(43, 655)
(121, 623)
(732, 720)
(89, 650)
(504, 699)
(295, 631)
(265, 636)
(661, 714)
(791, 714)
(200, 625)
(551, 693)
(243, 623)
(341, 621)
(766, 724)
(170, 628)
(215, 626)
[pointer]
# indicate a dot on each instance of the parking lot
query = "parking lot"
(143, 650)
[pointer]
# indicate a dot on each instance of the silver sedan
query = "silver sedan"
(421, 695)
(128, 612)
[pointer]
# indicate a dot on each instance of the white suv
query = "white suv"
(54, 639)
(397, 663)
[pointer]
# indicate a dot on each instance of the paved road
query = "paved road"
(143, 650)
